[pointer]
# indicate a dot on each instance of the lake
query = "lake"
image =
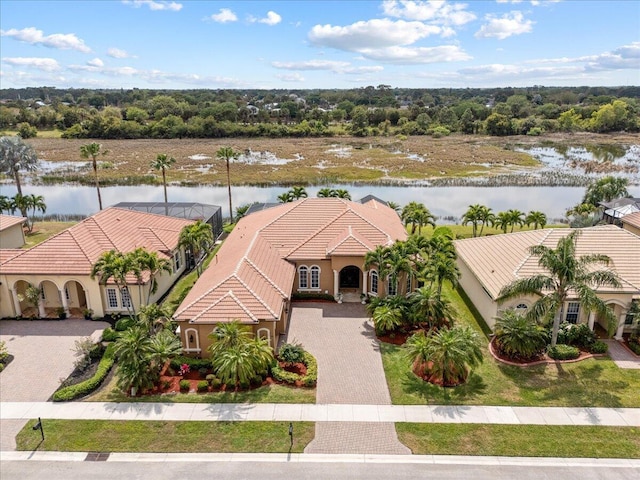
(442, 201)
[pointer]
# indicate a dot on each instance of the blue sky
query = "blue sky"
(318, 44)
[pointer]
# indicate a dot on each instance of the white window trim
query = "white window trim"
(115, 295)
(188, 332)
(567, 312)
(260, 330)
(389, 287)
(311, 270)
(177, 261)
(302, 276)
(128, 297)
(374, 273)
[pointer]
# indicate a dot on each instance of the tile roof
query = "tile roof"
(500, 259)
(75, 250)
(8, 221)
(632, 219)
(254, 270)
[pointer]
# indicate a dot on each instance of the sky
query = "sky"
(306, 44)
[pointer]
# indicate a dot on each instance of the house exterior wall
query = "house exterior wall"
(12, 237)
(326, 276)
(487, 307)
(631, 228)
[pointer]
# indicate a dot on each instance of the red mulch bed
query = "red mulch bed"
(424, 372)
(539, 360)
(297, 368)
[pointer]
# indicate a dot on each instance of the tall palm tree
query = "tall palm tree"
(380, 258)
(15, 155)
(226, 154)
(394, 206)
(399, 265)
(564, 273)
(92, 150)
(427, 306)
(5, 204)
(472, 216)
(150, 262)
(163, 162)
(440, 268)
(198, 239)
(117, 266)
(538, 219)
(34, 202)
(154, 317)
(516, 217)
(486, 217)
(447, 356)
(20, 202)
(417, 215)
(502, 221)
(606, 189)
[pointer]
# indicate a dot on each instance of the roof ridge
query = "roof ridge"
(207, 292)
(527, 257)
(256, 296)
(266, 277)
(235, 299)
(79, 245)
(291, 205)
(102, 230)
(347, 237)
(371, 224)
(316, 232)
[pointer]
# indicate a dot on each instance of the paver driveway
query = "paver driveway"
(43, 352)
(342, 339)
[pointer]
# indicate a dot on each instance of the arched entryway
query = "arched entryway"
(350, 277)
(76, 298)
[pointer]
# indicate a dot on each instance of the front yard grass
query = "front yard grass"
(520, 440)
(266, 394)
(43, 230)
(161, 436)
(596, 382)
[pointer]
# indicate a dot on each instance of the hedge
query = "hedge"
(194, 363)
(308, 380)
(81, 389)
(563, 352)
(312, 296)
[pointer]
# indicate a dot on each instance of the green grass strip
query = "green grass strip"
(161, 437)
(521, 440)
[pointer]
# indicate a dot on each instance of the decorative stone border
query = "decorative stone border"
(547, 360)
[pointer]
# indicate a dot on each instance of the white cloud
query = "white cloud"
(271, 19)
(224, 16)
(44, 64)
(96, 62)
(503, 27)
(432, 10)
(625, 57)
(417, 55)
(33, 36)
(310, 65)
(118, 53)
(377, 33)
(155, 5)
(290, 77)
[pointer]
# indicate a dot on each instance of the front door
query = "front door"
(350, 277)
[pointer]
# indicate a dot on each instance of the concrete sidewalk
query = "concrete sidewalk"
(626, 417)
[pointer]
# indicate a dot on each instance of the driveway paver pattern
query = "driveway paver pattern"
(342, 339)
(621, 356)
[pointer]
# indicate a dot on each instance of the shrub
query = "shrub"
(110, 335)
(216, 382)
(194, 363)
(634, 346)
(598, 347)
(257, 380)
(308, 380)
(291, 353)
(166, 384)
(185, 385)
(4, 353)
(563, 352)
(210, 378)
(203, 386)
(124, 324)
(312, 296)
(579, 335)
(203, 372)
(244, 385)
(82, 352)
(518, 337)
(84, 388)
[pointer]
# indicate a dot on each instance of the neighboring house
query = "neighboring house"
(11, 231)
(632, 223)
(487, 264)
(313, 245)
(615, 210)
(61, 265)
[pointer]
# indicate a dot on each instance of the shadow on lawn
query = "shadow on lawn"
(431, 393)
(556, 384)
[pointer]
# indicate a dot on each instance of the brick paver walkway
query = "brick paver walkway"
(621, 356)
(43, 352)
(349, 372)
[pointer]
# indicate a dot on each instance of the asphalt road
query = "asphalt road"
(64, 470)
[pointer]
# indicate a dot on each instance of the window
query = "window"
(573, 311)
(177, 261)
(392, 286)
(112, 298)
(374, 281)
(521, 307)
(631, 314)
(409, 283)
(315, 277)
(42, 296)
(126, 298)
(303, 277)
(66, 293)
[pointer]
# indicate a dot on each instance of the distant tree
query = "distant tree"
(516, 217)
(198, 239)
(163, 162)
(15, 155)
(92, 150)
(341, 193)
(242, 210)
(606, 189)
(298, 193)
(326, 192)
(538, 219)
(394, 206)
(34, 202)
(417, 215)
(226, 154)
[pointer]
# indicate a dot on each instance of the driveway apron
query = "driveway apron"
(43, 352)
(342, 339)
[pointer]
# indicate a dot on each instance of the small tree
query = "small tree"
(518, 337)
(92, 150)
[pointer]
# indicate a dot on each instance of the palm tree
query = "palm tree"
(445, 357)
(502, 221)
(162, 162)
(298, 192)
(15, 155)
(442, 267)
(242, 210)
(226, 154)
(386, 318)
(341, 193)
(5, 204)
(564, 273)
(606, 189)
(378, 257)
(20, 202)
(486, 217)
(394, 206)
(417, 215)
(538, 219)
(472, 216)
(34, 202)
(285, 197)
(516, 217)
(399, 265)
(326, 193)
(198, 239)
(117, 266)
(518, 337)
(149, 261)
(92, 150)
(154, 317)
(427, 306)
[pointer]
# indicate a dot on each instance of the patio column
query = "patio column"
(65, 302)
(592, 320)
(618, 335)
(336, 282)
(16, 301)
(365, 275)
(41, 311)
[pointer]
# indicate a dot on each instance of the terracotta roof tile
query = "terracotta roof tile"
(632, 219)
(8, 221)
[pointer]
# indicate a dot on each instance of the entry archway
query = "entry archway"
(350, 277)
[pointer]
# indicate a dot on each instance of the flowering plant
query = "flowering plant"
(184, 369)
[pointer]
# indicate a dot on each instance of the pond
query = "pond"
(444, 202)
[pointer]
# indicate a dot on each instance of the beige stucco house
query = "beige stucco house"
(313, 245)
(11, 231)
(61, 265)
(487, 264)
(631, 223)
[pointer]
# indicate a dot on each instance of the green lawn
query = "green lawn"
(466, 231)
(157, 436)
(267, 394)
(44, 230)
(594, 382)
(520, 440)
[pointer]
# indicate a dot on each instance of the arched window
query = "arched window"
(192, 340)
(303, 277)
(315, 277)
(374, 281)
(264, 333)
(392, 286)
(521, 307)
